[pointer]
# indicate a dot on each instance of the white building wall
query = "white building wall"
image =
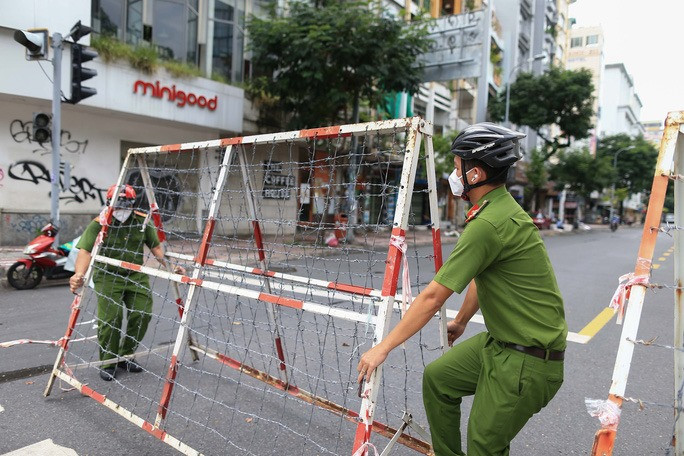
(91, 144)
(93, 131)
(620, 105)
(58, 16)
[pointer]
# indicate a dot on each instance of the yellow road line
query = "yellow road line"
(662, 259)
(656, 266)
(598, 322)
(666, 254)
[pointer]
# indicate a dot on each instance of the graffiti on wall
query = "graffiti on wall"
(79, 190)
(27, 224)
(21, 132)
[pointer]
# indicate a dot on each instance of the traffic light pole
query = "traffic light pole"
(56, 130)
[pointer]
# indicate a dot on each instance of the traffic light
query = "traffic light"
(80, 55)
(41, 127)
(35, 42)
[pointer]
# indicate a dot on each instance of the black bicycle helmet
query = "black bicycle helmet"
(495, 146)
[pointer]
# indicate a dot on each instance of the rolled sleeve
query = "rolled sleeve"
(89, 236)
(151, 238)
(477, 248)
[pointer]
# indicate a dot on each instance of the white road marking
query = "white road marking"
(42, 448)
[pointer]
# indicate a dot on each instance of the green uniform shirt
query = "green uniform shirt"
(124, 241)
(516, 287)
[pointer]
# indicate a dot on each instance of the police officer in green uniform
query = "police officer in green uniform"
(116, 288)
(515, 367)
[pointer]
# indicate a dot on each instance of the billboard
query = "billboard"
(457, 46)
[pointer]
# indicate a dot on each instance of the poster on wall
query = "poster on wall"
(276, 184)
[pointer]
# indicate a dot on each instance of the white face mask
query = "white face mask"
(456, 183)
(122, 214)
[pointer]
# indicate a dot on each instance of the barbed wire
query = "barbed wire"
(237, 392)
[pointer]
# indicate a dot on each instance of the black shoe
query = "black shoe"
(108, 373)
(130, 365)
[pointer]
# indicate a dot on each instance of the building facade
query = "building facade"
(620, 105)
(586, 51)
(131, 108)
(653, 131)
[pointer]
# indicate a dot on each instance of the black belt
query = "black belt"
(552, 355)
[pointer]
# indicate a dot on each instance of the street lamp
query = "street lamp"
(508, 82)
(612, 190)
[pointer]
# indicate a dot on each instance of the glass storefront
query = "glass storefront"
(121, 19)
(228, 39)
(174, 25)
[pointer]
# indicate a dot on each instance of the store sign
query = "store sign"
(276, 184)
(180, 97)
(456, 50)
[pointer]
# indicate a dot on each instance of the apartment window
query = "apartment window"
(592, 39)
(121, 19)
(229, 36)
(576, 42)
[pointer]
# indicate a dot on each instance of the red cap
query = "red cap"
(126, 191)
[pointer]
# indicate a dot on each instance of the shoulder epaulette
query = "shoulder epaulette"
(475, 210)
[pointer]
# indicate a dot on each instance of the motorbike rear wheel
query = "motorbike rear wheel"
(22, 277)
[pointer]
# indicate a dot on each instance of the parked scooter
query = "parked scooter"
(42, 261)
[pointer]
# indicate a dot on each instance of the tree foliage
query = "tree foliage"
(582, 172)
(537, 173)
(322, 59)
(560, 97)
(444, 159)
(635, 167)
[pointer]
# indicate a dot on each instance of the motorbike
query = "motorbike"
(614, 224)
(42, 261)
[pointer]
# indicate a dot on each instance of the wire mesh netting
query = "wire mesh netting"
(281, 310)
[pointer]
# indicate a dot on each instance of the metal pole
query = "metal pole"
(56, 129)
(612, 188)
(508, 101)
(612, 191)
(678, 310)
(483, 79)
(430, 108)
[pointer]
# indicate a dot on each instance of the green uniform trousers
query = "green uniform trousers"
(509, 387)
(113, 296)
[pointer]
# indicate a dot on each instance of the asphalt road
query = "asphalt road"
(587, 266)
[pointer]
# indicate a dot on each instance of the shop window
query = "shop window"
(193, 14)
(134, 22)
(174, 28)
(168, 31)
(121, 19)
(223, 48)
(108, 17)
(228, 39)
